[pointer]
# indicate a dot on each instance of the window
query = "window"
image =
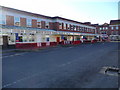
(112, 28)
(39, 24)
(2, 19)
(64, 26)
(29, 23)
(113, 32)
(68, 27)
(60, 25)
(47, 25)
(31, 37)
(103, 28)
(116, 32)
(74, 27)
(71, 27)
(82, 29)
(17, 21)
(87, 29)
(117, 28)
(106, 27)
(100, 28)
(12, 38)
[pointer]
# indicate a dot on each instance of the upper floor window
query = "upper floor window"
(103, 28)
(71, 27)
(17, 21)
(2, 19)
(47, 25)
(29, 23)
(87, 29)
(64, 26)
(82, 29)
(116, 32)
(106, 27)
(100, 28)
(60, 25)
(117, 28)
(68, 27)
(74, 27)
(38, 23)
(112, 28)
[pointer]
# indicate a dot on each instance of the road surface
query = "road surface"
(61, 67)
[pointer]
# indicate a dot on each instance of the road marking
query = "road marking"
(17, 54)
(34, 75)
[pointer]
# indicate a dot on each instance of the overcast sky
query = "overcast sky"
(94, 11)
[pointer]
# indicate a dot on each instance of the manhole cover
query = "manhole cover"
(110, 71)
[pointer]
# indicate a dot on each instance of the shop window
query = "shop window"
(47, 25)
(113, 32)
(116, 32)
(11, 38)
(20, 39)
(17, 21)
(65, 38)
(24, 38)
(29, 23)
(2, 19)
(31, 38)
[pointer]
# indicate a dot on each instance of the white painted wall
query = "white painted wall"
(25, 16)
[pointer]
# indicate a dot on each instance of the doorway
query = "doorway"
(58, 40)
(5, 41)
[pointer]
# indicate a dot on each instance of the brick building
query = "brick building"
(110, 31)
(23, 29)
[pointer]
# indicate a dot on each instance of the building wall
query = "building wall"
(53, 23)
(63, 25)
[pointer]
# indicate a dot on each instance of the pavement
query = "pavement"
(61, 67)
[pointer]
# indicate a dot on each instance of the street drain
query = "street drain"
(110, 71)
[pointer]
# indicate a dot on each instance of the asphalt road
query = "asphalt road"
(61, 67)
